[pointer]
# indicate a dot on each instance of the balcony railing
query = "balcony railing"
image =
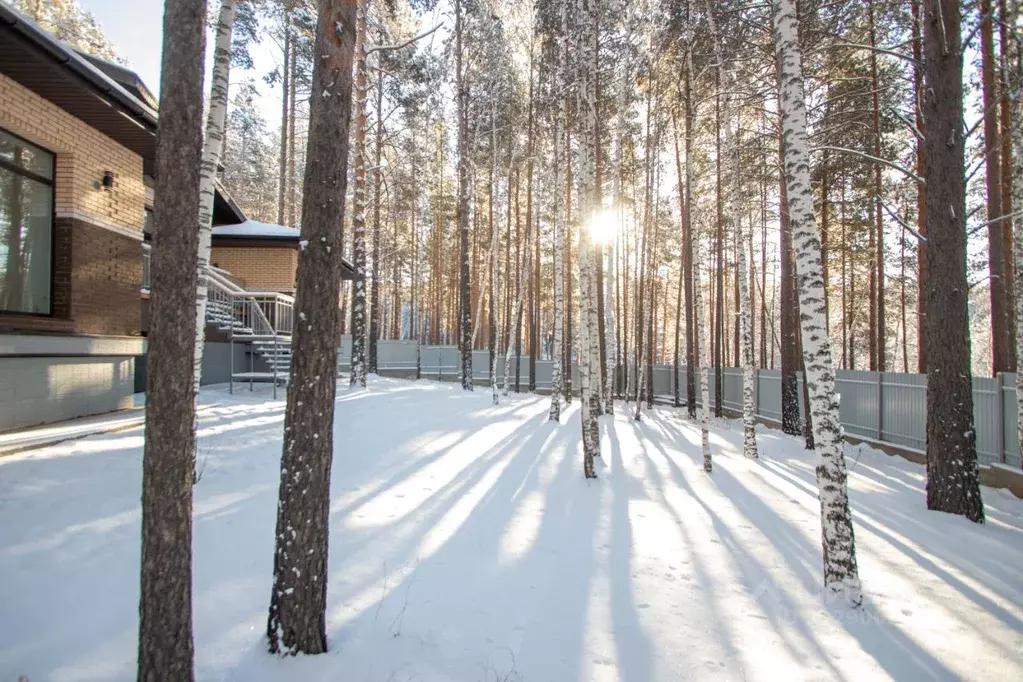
(146, 254)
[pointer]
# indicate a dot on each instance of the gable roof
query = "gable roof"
(51, 69)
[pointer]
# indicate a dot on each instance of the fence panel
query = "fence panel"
(904, 404)
(731, 384)
(987, 415)
(769, 394)
(664, 381)
(441, 363)
(344, 353)
(858, 403)
(1010, 436)
(397, 358)
(891, 407)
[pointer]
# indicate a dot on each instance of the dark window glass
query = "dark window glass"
(26, 226)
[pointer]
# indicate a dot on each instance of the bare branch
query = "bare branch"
(890, 164)
(398, 46)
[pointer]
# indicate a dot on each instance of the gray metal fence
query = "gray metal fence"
(888, 406)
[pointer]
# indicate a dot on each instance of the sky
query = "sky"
(137, 34)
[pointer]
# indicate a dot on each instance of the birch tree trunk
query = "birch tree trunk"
(358, 363)
(587, 348)
(212, 150)
(298, 599)
(165, 647)
(731, 199)
(953, 476)
(464, 321)
(701, 352)
(559, 225)
(840, 570)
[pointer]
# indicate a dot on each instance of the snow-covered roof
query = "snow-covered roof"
(256, 230)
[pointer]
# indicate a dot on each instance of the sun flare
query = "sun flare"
(605, 226)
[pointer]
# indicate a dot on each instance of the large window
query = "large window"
(26, 226)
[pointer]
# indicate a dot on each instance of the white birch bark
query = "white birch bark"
(841, 575)
(559, 227)
(611, 351)
(214, 146)
(495, 282)
(586, 102)
(732, 215)
(358, 371)
(701, 351)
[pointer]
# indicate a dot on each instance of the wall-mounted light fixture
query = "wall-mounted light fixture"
(108, 180)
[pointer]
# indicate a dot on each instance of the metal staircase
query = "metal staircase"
(263, 320)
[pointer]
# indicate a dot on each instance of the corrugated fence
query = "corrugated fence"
(882, 406)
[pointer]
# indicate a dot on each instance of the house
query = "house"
(77, 148)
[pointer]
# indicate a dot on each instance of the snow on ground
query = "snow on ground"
(466, 546)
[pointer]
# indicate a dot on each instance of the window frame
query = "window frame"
(52, 184)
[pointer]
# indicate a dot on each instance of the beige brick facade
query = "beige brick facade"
(269, 268)
(82, 155)
(97, 239)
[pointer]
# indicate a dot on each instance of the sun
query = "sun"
(604, 226)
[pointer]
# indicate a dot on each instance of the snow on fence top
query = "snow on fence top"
(254, 228)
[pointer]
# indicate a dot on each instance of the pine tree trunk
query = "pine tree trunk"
(1014, 79)
(880, 340)
(292, 116)
(465, 322)
(1000, 340)
(840, 568)
(1005, 135)
(692, 308)
(212, 150)
(298, 600)
(953, 477)
(282, 170)
(358, 363)
(788, 307)
(165, 647)
(921, 188)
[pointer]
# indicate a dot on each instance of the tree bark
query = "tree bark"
(559, 222)
(840, 567)
(953, 476)
(165, 647)
(212, 150)
(465, 321)
(789, 314)
(375, 314)
(298, 600)
(1001, 350)
(358, 362)
(921, 188)
(282, 170)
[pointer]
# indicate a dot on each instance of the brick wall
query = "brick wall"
(97, 234)
(95, 285)
(259, 267)
(82, 155)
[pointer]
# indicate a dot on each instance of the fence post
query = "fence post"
(756, 390)
(880, 405)
(999, 382)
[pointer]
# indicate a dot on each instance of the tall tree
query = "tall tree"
(464, 310)
(953, 476)
(298, 598)
(214, 145)
(165, 648)
(1001, 348)
(359, 312)
(840, 568)
(559, 219)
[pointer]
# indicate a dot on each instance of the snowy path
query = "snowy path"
(467, 546)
